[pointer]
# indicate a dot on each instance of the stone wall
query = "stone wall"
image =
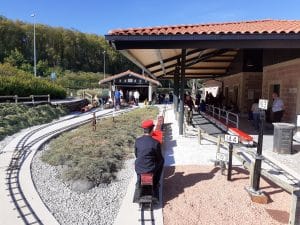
(287, 75)
(249, 87)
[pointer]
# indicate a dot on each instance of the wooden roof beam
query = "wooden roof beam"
(158, 53)
(174, 58)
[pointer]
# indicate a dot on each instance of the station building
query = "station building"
(131, 81)
(251, 59)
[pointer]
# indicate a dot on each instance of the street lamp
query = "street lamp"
(104, 63)
(34, 48)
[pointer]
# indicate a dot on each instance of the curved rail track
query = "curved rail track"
(21, 152)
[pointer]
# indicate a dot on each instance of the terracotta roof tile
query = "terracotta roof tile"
(246, 27)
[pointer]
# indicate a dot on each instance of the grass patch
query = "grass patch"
(98, 155)
(14, 117)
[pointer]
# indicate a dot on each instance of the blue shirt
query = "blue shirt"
(117, 94)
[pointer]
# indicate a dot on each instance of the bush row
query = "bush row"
(98, 155)
(14, 117)
(14, 81)
(28, 85)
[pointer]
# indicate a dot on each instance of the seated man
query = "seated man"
(148, 158)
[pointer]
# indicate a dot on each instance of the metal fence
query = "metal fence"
(227, 117)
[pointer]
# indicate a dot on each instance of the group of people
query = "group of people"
(274, 114)
(131, 97)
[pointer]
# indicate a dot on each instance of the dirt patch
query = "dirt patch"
(201, 195)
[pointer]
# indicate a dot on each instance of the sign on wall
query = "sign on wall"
(263, 104)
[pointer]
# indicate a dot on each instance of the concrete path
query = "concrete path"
(178, 150)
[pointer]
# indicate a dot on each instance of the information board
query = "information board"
(231, 139)
(263, 104)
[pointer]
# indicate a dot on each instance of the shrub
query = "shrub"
(16, 82)
(98, 156)
(14, 117)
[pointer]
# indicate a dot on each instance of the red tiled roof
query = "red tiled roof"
(247, 27)
(127, 73)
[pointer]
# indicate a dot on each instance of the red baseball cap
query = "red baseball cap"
(147, 124)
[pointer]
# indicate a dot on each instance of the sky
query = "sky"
(100, 16)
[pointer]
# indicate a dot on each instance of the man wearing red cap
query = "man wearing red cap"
(148, 156)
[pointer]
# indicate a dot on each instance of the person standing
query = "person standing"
(149, 158)
(277, 108)
(117, 99)
(136, 96)
(255, 114)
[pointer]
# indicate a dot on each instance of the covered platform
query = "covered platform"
(251, 59)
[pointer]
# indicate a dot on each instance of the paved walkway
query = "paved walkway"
(178, 150)
(185, 150)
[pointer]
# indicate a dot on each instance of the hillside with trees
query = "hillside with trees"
(57, 48)
(77, 59)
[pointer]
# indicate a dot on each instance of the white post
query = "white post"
(150, 93)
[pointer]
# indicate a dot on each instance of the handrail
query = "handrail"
(223, 115)
(31, 97)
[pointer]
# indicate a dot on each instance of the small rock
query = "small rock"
(81, 185)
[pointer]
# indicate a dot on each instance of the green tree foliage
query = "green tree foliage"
(57, 47)
(80, 80)
(17, 82)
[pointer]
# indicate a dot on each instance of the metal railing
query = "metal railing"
(31, 98)
(87, 95)
(223, 115)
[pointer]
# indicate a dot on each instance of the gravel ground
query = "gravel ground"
(99, 205)
(195, 195)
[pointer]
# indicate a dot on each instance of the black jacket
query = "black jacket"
(148, 155)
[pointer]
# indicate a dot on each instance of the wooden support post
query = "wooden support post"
(16, 98)
(295, 209)
(32, 99)
(218, 144)
(199, 135)
(48, 98)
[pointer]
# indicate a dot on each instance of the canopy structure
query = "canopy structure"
(210, 48)
(206, 51)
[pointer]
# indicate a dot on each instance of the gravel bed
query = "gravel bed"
(99, 205)
(196, 195)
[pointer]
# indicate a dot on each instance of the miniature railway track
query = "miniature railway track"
(22, 150)
(149, 218)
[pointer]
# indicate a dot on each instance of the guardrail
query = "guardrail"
(227, 117)
(87, 96)
(31, 98)
(293, 189)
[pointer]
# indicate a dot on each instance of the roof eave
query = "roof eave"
(282, 40)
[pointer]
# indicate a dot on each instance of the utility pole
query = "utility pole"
(104, 63)
(34, 46)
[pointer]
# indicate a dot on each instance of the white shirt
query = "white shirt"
(136, 94)
(255, 108)
(277, 105)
